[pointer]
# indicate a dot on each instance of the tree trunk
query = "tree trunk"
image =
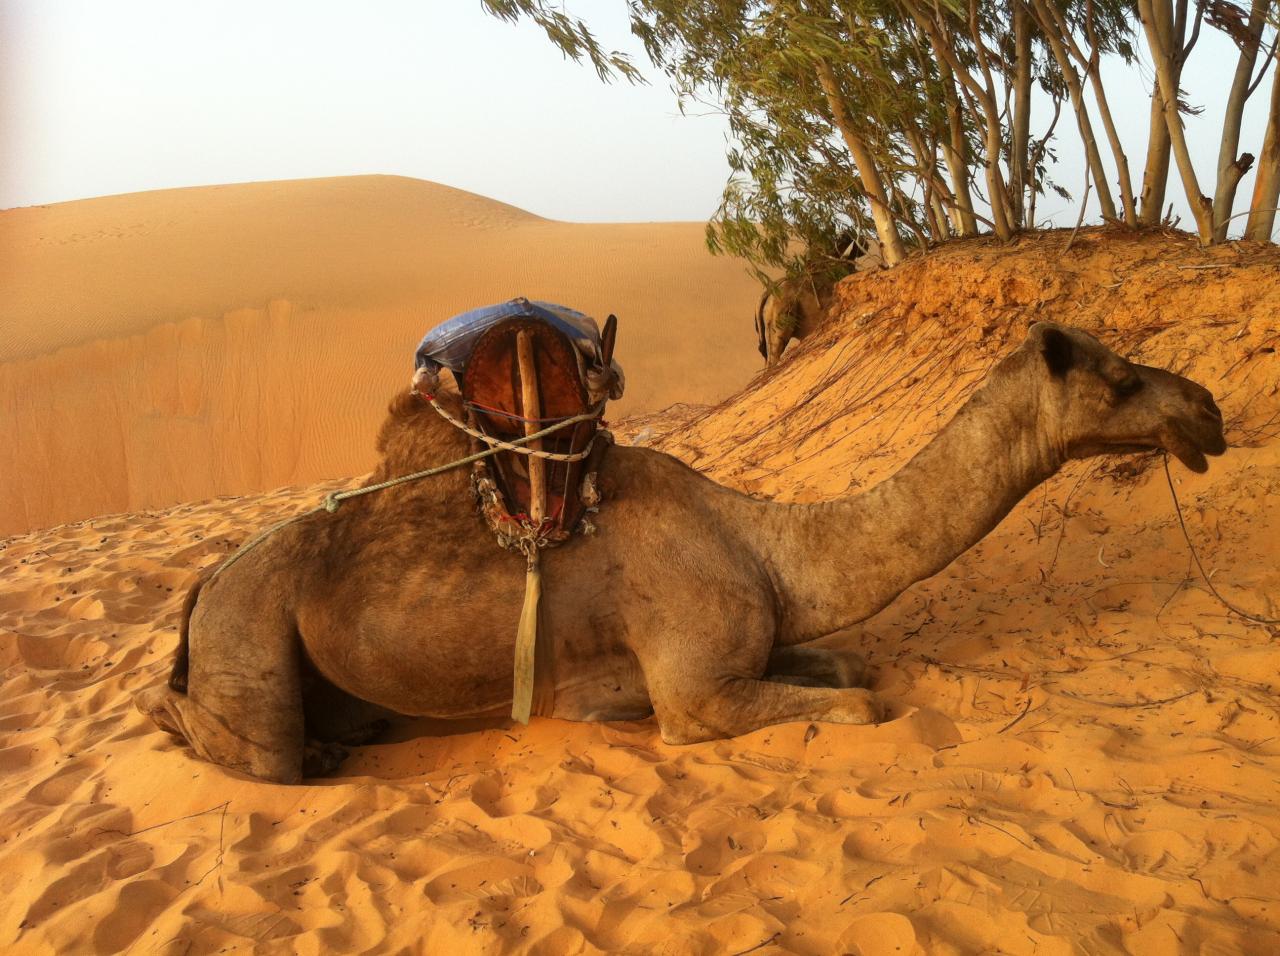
(1155, 177)
(998, 190)
(942, 225)
(1164, 57)
(1089, 64)
(989, 110)
(891, 247)
(1231, 168)
(955, 153)
(1021, 132)
(927, 173)
(1266, 188)
(1117, 148)
(1094, 70)
(1052, 32)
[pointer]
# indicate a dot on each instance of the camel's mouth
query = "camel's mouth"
(1191, 441)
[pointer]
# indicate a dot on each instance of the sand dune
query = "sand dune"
(169, 346)
(1082, 757)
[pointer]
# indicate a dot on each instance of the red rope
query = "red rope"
(514, 417)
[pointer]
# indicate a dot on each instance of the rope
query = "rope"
(333, 500)
(509, 416)
(501, 445)
(1257, 619)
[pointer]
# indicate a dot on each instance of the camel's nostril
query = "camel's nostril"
(1211, 407)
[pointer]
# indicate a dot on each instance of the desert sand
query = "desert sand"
(175, 345)
(1083, 752)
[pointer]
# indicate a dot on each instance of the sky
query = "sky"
(99, 97)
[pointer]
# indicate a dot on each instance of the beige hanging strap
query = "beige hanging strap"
(527, 639)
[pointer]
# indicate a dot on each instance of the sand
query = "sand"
(1083, 754)
(175, 345)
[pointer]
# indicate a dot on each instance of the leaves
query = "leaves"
(924, 86)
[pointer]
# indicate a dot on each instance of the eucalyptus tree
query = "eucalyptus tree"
(882, 116)
(1266, 188)
(1078, 35)
(1171, 29)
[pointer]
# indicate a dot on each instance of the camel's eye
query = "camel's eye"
(1127, 386)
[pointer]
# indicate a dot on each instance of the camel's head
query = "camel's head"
(1094, 402)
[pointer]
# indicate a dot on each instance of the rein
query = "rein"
(1256, 618)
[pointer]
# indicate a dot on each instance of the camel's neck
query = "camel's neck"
(838, 563)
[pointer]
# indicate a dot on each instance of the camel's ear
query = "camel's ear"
(1055, 346)
(607, 339)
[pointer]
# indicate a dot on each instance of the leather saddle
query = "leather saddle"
(521, 376)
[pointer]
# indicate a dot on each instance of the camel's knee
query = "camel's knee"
(743, 705)
(688, 720)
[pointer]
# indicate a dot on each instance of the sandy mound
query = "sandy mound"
(175, 345)
(1084, 753)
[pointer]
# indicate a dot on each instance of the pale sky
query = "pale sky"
(110, 96)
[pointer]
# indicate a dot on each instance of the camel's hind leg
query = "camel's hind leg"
(816, 667)
(243, 706)
(217, 740)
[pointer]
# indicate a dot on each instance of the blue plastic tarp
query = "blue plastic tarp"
(449, 344)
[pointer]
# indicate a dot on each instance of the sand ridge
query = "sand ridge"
(176, 345)
(1082, 755)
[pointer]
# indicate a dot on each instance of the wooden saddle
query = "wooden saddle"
(523, 375)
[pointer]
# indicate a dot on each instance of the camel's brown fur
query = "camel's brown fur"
(792, 309)
(795, 305)
(691, 602)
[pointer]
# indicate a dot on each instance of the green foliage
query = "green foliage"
(920, 102)
(572, 36)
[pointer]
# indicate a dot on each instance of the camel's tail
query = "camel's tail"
(182, 659)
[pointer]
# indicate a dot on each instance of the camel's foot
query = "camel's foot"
(816, 667)
(154, 703)
(319, 759)
(856, 706)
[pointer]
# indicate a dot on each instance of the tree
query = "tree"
(882, 115)
(1266, 189)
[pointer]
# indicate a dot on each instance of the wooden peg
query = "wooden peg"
(531, 409)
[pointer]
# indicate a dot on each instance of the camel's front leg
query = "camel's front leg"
(692, 706)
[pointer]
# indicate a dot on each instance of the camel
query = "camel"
(794, 306)
(692, 602)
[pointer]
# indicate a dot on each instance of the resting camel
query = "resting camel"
(796, 305)
(692, 602)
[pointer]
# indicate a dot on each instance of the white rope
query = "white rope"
(501, 445)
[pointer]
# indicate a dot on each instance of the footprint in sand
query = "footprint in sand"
(479, 878)
(880, 933)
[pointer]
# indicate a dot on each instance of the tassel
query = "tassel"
(527, 639)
